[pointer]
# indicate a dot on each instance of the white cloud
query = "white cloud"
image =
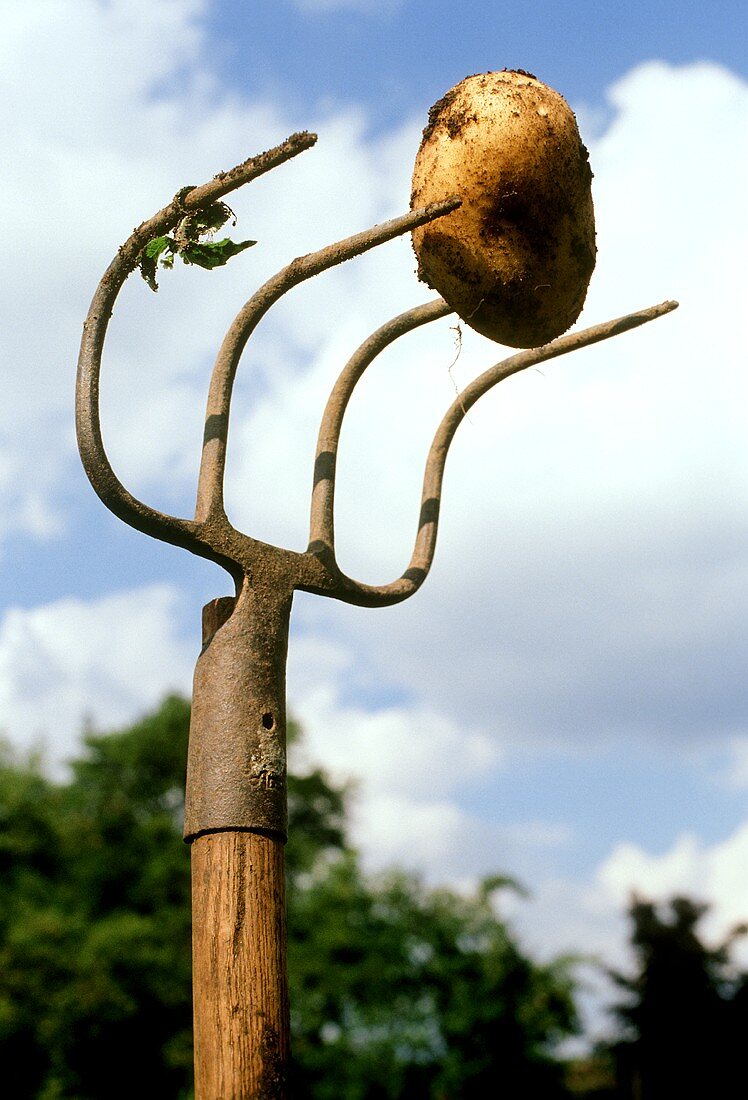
(436, 838)
(401, 750)
(410, 768)
(713, 873)
(408, 765)
(107, 660)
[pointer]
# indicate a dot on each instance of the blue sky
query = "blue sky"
(401, 56)
(580, 646)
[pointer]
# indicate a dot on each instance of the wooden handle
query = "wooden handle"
(239, 975)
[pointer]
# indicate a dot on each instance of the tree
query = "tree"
(94, 919)
(684, 1016)
(398, 990)
(411, 992)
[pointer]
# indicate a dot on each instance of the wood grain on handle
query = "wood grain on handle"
(239, 969)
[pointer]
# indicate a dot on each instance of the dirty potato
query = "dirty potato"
(515, 259)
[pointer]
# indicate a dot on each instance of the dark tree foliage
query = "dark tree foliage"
(95, 920)
(400, 991)
(686, 1010)
(397, 991)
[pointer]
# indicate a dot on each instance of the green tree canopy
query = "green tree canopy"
(397, 990)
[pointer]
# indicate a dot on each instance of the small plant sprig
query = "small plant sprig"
(188, 243)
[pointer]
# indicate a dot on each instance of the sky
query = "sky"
(565, 699)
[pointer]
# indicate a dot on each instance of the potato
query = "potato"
(514, 261)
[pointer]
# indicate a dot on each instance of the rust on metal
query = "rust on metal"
(236, 767)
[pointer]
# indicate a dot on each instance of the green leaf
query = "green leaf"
(150, 255)
(213, 253)
(158, 245)
(187, 244)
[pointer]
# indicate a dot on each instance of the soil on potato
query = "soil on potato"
(455, 123)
